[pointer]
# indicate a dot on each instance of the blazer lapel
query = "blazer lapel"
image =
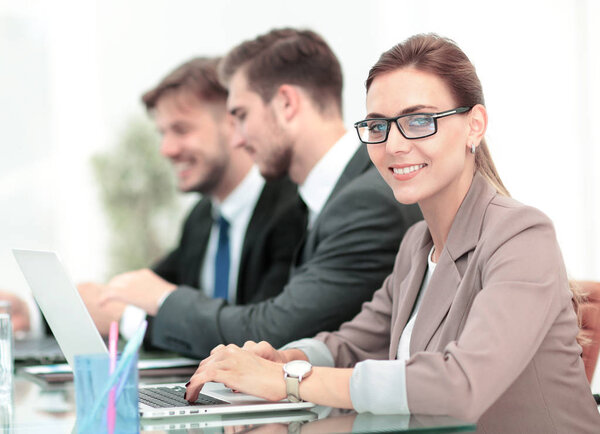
(436, 302)
(443, 286)
(408, 290)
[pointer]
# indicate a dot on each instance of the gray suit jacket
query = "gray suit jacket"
(348, 252)
(494, 338)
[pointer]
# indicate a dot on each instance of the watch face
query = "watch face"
(297, 368)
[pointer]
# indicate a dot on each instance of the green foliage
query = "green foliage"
(139, 196)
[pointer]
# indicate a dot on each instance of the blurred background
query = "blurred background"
(72, 72)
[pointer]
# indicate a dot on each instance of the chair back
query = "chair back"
(590, 325)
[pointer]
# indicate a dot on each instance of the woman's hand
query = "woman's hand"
(265, 350)
(241, 370)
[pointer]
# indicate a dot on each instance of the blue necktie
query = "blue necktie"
(222, 261)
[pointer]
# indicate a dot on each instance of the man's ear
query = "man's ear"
(286, 102)
(477, 124)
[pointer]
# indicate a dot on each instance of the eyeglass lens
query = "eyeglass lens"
(413, 127)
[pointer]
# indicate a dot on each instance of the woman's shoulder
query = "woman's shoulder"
(511, 211)
(506, 218)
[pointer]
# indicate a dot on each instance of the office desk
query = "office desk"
(34, 409)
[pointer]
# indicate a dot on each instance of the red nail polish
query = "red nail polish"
(185, 396)
(187, 384)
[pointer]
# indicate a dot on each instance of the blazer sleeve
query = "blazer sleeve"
(524, 289)
(358, 239)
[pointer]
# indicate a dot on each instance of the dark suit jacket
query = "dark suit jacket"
(494, 337)
(275, 228)
(348, 252)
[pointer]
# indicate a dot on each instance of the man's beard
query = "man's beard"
(278, 164)
(210, 182)
(215, 172)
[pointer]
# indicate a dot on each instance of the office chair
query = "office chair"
(590, 325)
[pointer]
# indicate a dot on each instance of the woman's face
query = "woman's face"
(438, 167)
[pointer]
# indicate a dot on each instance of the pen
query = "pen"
(113, 336)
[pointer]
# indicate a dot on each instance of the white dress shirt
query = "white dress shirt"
(237, 209)
(321, 180)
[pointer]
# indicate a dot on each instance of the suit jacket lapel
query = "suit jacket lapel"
(358, 164)
(260, 214)
(193, 269)
(297, 258)
(462, 238)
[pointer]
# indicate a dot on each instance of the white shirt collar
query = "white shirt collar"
(325, 174)
(240, 198)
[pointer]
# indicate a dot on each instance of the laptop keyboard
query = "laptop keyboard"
(163, 397)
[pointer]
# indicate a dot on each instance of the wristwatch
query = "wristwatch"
(294, 372)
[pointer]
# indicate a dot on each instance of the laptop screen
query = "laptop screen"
(60, 303)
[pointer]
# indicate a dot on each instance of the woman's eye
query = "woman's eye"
(378, 127)
(419, 121)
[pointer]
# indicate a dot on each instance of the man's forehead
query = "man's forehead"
(238, 80)
(239, 92)
(187, 102)
(179, 100)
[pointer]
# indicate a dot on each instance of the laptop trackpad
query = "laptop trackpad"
(219, 391)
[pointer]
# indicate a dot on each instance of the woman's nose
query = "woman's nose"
(396, 142)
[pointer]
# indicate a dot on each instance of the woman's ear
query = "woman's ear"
(477, 125)
(286, 102)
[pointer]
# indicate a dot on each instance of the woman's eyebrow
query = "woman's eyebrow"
(405, 111)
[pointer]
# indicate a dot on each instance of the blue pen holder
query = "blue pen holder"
(91, 377)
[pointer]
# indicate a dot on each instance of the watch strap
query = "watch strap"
(292, 388)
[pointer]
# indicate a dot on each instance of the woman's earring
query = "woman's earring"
(473, 148)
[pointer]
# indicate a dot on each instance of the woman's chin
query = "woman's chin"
(405, 197)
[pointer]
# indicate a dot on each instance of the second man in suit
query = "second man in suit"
(237, 243)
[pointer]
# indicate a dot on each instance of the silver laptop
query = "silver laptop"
(238, 423)
(76, 334)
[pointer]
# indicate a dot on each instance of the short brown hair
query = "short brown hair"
(288, 56)
(197, 76)
(443, 58)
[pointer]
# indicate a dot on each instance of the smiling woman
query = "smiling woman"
(476, 320)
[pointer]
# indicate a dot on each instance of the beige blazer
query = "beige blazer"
(494, 338)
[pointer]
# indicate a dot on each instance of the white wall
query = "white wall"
(72, 72)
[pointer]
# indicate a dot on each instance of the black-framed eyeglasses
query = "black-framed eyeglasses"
(411, 126)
